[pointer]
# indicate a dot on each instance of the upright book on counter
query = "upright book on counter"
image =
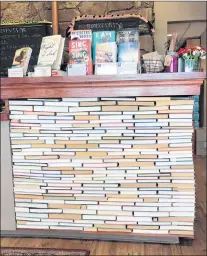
(22, 58)
(128, 52)
(80, 52)
(99, 37)
(127, 35)
(51, 51)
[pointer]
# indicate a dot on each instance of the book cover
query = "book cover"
(80, 52)
(127, 35)
(106, 52)
(22, 58)
(81, 34)
(51, 51)
(99, 37)
(128, 52)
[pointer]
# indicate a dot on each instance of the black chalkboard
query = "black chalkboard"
(13, 37)
(114, 24)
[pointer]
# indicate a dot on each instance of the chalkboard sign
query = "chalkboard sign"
(13, 37)
(96, 24)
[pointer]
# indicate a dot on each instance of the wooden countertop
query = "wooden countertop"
(157, 84)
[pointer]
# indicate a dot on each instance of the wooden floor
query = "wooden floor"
(198, 247)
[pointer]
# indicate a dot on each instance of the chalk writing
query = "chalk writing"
(13, 37)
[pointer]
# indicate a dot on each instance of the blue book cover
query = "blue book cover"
(196, 98)
(128, 52)
(99, 37)
(196, 116)
(196, 107)
(196, 124)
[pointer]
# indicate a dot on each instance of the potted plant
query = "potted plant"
(192, 56)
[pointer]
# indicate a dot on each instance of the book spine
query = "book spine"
(27, 61)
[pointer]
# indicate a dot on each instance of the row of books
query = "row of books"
(50, 58)
(85, 47)
(97, 47)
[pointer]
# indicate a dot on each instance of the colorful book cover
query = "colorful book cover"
(80, 52)
(81, 34)
(22, 58)
(99, 37)
(127, 35)
(106, 52)
(128, 52)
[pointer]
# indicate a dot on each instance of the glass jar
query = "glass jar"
(192, 65)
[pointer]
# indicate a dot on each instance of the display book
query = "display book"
(50, 56)
(106, 45)
(124, 49)
(20, 62)
(49, 59)
(80, 60)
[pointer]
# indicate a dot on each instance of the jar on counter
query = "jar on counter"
(173, 67)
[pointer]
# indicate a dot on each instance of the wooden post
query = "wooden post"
(55, 17)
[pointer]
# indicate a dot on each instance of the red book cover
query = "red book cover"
(80, 52)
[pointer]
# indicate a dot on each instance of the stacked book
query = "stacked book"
(104, 165)
(196, 114)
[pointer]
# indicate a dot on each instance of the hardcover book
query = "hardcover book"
(128, 52)
(81, 34)
(80, 52)
(106, 52)
(99, 37)
(22, 58)
(127, 35)
(51, 51)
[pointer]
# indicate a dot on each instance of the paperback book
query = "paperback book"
(51, 51)
(127, 35)
(106, 52)
(22, 58)
(99, 37)
(81, 34)
(128, 52)
(80, 52)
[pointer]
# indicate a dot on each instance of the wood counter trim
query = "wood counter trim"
(100, 92)
(103, 86)
(94, 78)
(4, 117)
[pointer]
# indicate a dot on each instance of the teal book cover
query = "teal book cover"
(128, 52)
(99, 37)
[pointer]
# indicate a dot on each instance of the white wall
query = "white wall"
(174, 11)
(8, 222)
